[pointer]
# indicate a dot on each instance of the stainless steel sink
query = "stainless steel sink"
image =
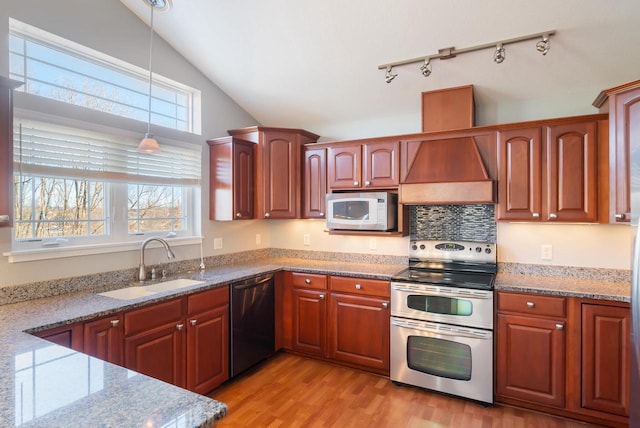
(137, 292)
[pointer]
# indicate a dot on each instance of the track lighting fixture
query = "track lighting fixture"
(389, 76)
(426, 67)
(499, 54)
(544, 45)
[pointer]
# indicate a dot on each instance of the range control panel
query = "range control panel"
(459, 251)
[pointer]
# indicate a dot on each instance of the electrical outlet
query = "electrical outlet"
(373, 244)
(258, 239)
(546, 252)
(306, 239)
(217, 243)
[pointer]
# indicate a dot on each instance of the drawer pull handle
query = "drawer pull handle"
(620, 216)
(321, 297)
(553, 216)
(4, 218)
(358, 286)
(535, 215)
(531, 305)
(385, 305)
(179, 326)
(559, 326)
(307, 281)
(114, 323)
(193, 322)
(356, 183)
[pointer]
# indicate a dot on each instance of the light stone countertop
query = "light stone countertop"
(46, 385)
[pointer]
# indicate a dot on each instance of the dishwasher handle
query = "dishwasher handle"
(252, 282)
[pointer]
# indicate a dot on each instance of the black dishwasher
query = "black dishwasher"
(252, 322)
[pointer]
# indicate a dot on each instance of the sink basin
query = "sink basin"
(128, 293)
(149, 290)
(174, 284)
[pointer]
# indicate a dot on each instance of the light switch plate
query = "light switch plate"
(217, 243)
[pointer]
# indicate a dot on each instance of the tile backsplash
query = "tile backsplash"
(471, 222)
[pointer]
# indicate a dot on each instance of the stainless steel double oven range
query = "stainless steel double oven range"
(442, 319)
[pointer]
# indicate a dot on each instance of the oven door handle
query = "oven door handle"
(439, 331)
(443, 290)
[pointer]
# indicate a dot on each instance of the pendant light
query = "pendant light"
(149, 145)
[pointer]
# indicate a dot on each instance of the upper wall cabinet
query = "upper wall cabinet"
(623, 105)
(277, 169)
(231, 168)
(549, 172)
(314, 182)
(6, 150)
(367, 165)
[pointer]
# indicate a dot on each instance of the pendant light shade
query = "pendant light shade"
(149, 145)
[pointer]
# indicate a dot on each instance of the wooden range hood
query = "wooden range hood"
(446, 171)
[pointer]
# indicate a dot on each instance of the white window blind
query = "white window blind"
(59, 151)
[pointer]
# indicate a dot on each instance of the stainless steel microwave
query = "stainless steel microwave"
(362, 211)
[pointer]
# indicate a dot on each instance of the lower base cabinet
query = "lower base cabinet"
(69, 336)
(103, 339)
(563, 355)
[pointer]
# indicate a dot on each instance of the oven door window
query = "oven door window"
(439, 357)
(440, 305)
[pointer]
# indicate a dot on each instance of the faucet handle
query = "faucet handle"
(153, 273)
(164, 273)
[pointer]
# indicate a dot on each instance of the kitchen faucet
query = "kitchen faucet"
(142, 274)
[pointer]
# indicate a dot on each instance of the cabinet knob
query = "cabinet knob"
(358, 286)
(367, 183)
(180, 326)
(4, 218)
(356, 183)
(238, 215)
(620, 216)
(553, 215)
(193, 322)
(267, 215)
(535, 215)
(559, 326)
(321, 214)
(385, 305)
(321, 297)
(114, 323)
(307, 281)
(531, 305)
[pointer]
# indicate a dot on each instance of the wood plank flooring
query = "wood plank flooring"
(293, 391)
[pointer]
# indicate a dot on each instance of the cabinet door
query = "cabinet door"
(280, 175)
(103, 339)
(530, 359)
(571, 172)
(69, 336)
(309, 321)
(243, 180)
(154, 341)
(381, 164)
(6, 151)
(359, 330)
(605, 358)
(314, 183)
(344, 167)
(520, 182)
(208, 349)
(625, 131)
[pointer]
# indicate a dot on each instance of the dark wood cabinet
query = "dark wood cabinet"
(605, 358)
(103, 338)
(6, 150)
(623, 105)
(69, 336)
(310, 321)
(368, 165)
(314, 183)
(207, 352)
(154, 338)
(277, 170)
(549, 172)
(231, 179)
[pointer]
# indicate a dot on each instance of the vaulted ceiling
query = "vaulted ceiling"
(314, 64)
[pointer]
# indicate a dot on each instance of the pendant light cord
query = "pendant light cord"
(150, 56)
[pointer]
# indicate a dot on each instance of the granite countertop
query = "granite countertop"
(46, 385)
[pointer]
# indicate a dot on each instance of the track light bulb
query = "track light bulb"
(499, 54)
(543, 45)
(389, 76)
(426, 67)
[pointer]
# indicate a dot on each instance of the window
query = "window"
(62, 70)
(76, 186)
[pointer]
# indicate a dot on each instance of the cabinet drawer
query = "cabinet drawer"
(207, 300)
(152, 316)
(309, 280)
(532, 304)
(371, 287)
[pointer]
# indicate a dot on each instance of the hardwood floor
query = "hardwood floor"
(293, 391)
